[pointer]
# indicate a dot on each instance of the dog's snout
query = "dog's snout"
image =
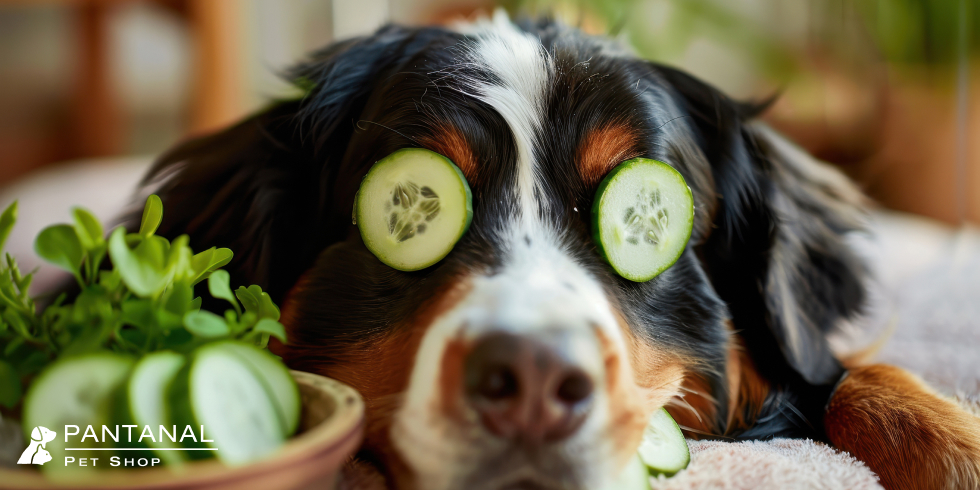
(526, 388)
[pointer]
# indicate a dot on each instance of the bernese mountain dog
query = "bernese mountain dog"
(521, 360)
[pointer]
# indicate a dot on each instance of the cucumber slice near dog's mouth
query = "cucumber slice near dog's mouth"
(634, 477)
(642, 218)
(412, 208)
(664, 450)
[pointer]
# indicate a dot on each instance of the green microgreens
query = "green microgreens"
(145, 302)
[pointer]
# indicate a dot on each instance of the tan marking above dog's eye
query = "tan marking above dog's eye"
(450, 142)
(604, 148)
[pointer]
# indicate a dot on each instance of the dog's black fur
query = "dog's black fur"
(278, 189)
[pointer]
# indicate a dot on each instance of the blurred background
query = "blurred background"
(886, 90)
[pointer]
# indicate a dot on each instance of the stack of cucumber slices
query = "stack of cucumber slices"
(227, 398)
(663, 452)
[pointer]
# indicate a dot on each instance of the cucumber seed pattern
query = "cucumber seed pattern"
(647, 220)
(410, 209)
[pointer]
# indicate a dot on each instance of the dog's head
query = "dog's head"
(521, 358)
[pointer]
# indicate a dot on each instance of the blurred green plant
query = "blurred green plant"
(921, 31)
(926, 32)
(144, 303)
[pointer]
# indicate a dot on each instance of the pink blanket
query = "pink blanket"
(776, 464)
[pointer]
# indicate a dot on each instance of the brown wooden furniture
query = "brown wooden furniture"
(95, 122)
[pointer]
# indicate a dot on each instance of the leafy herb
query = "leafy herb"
(144, 303)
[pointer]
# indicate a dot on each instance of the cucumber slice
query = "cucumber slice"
(412, 208)
(75, 391)
(219, 391)
(642, 218)
(145, 400)
(276, 380)
(664, 449)
(633, 477)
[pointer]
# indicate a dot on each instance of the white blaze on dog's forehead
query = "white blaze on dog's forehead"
(521, 69)
(538, 289)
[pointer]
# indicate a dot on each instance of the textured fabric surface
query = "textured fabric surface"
(923, 315)
(775, 464)
(925, 301)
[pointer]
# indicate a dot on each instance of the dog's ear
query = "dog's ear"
(265, 187)
(777, 254)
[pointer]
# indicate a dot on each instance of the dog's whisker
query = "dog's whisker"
(679, 401)
(694, 392)
(704, 433)
(689, 390)
(672, 381)
(403, 135)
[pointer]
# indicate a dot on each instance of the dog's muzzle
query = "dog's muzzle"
(512, 383)
(531, 389)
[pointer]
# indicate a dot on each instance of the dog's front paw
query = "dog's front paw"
(910, 436)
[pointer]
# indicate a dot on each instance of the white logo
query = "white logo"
(35, 453)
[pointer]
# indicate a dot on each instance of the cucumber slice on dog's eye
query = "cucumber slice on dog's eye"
(412, 208)
(642, 218)
(634, 477)
(664, 449)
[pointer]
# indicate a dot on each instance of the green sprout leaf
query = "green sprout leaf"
(206, 324)
(218, 286)
(109, 280)
(90, 235)
(10, 389)
(258, 302)
(180, 259)
(168, 320)
(271, 327)
(60, 246)
(180, 299)
(7, 220)
(13, 346)
(152, 215)
(143, 269)
(209, 261)
(138, 313)
(88, 228)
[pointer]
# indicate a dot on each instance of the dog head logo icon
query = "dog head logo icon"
(35, 453)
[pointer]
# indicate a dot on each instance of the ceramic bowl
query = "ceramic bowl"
(331, 429)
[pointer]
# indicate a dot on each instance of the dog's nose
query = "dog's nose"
(527, 389)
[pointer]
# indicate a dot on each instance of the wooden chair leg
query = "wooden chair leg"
(217, 77)
(95, 122)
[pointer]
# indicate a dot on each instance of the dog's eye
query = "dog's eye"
(412, 208)
(642, 218)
